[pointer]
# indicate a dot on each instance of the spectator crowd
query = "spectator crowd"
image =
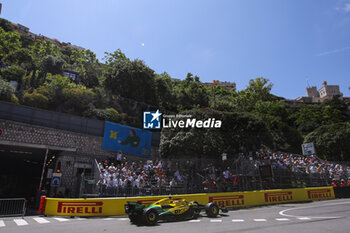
(333, 173)
(122, 177)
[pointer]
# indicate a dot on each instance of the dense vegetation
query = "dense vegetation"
(120, 89)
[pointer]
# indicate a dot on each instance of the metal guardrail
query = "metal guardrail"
(12, 207)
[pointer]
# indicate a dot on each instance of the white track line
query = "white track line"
(215, 220)
(307, 207)
(61, 219)
(195, 220)
(2, 224)
(108, 219)
(237, 220)
(282, 219)
(123, 219)
(41, 220)
(20, 222)
(304, 218)
(260, 220)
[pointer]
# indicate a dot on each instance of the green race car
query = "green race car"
(168, 209)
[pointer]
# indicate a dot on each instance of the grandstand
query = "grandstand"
(253, 171)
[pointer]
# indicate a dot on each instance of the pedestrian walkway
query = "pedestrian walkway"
(31, 221)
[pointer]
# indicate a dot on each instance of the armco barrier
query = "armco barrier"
(115, 206)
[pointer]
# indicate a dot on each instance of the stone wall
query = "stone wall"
(83, 143)
(70, 181)
(24, 133)
(83, 148)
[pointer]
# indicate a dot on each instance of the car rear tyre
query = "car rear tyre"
(212, 210)
(150, 216)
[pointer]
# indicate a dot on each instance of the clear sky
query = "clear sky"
(285, 41)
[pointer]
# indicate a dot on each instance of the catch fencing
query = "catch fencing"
(12, 207)
(244, 173)
(88, 184)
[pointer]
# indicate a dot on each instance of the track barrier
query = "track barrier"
(342, 192)
(12, 207)
(42, 205)
(115, 206)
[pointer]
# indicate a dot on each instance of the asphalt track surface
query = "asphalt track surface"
(321, 216)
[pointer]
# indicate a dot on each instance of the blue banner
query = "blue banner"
(127, 139)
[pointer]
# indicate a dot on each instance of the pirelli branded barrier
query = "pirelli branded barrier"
(115, 206)
(103, 206)
(268, 197)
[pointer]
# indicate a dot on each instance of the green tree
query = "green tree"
(239, 132)
(191, 93)
(258, 90)
(67, 52)
(332, 115)
(108, 114)
(166, 98)
(113, 115)
(9, 42)
(271, 108)
(51, 64)
(221, 99)
(40, 49)
(55, 84)
(104, 98)
(13, 73)
(131, 79)
(37, 78)
(76, 100)
(26, 41)
(6, 90)
(261, 88)
(6, 25)
(21, 56)
(307, 118)
(35, 99)
(336, 102)
(86, 63)
(331, 141)
(276, 116)
(115, 57)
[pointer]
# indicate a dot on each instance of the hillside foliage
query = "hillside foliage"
(119, 89)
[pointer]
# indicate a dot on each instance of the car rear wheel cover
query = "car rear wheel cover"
(212, 210)
(151, 216)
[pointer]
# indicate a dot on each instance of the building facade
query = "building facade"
(317, 96)
(26, 31)
(228, 85)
